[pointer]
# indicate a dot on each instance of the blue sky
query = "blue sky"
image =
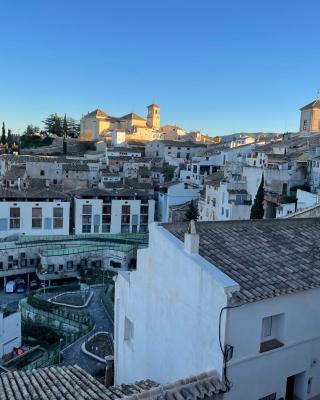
(218, 66)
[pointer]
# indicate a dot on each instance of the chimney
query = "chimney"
(191, 239)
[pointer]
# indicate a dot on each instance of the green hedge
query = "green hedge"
(41, 334)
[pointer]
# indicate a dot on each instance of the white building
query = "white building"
(118, 138)
(10, 331)
(39, 212)
(101, 211)
(174, 149)
(242, 140)
(172, 194)
(224, 199)
(238, 297)
(196, 172)
(123, 152)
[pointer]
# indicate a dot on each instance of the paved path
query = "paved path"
(73, 354)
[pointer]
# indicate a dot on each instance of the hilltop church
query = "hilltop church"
(97, 125)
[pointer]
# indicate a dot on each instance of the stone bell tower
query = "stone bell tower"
(153, 118)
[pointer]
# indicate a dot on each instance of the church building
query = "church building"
(97, 124)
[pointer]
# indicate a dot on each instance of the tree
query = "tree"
(73, 128)
(168, 172)
(65, 127)
(257, 210)
(53, 125)
(192, 213)
(31, 130)
(10, 140)
(3, 135)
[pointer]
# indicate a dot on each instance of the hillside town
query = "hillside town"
(140, 260)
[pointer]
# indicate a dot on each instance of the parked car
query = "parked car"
(10, 287)
(21, 288)
(33, 284)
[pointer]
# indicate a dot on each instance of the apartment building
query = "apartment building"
(34, 211)
(122, 208)
(224, 198)
(174, 150)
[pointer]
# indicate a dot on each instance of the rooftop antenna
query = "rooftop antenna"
(318, 94)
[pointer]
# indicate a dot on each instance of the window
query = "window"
(57, 218)
(272, 332)
(14, 218)
(305, 124)
(69, 265)
(266, 327)
(106, 209)
(128, 329)
(86, 218)
(1, 265)
(51, 268)
(36, 218)
(144, 219)
(87, 209)
(105, 228)
(42, 173)
(106, 217)
(125, 218)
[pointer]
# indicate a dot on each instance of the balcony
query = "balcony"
(270, 345)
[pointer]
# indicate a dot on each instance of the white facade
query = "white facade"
(306, 199)
(285, 209)
(102, 218)
(163, 304)
(175, 325)
(227, 201)
(173, 150)
(10, 332)
(122, 152)
(176, 194)
(34, 217)
(118, 138)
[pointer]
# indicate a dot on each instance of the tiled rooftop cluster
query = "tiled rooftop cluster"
(73, 383)
(267, 258)
(63, 383)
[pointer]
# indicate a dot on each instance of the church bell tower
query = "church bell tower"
(153, 118)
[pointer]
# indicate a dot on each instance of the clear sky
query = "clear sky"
(219, 66)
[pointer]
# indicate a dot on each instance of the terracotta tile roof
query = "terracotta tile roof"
(97, 113)
(61, 383)
(133, 116)
(267, 258)
(202, 386)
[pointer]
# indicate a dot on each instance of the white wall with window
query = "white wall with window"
(34, 217)
(280, 339)
(97, 216)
